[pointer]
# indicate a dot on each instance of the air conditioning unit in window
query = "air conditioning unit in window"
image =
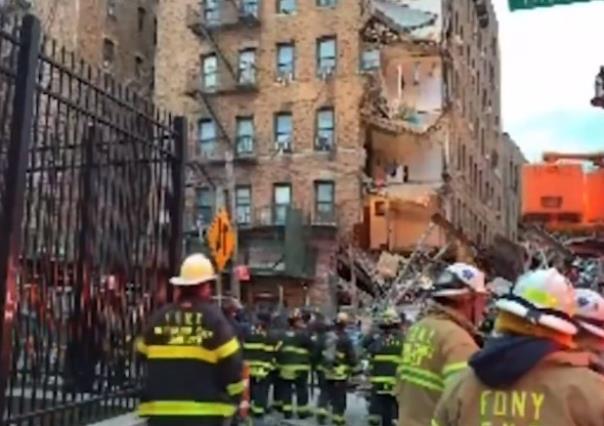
(284, 146)
(285, 78)
(326, 72)
(323, 143)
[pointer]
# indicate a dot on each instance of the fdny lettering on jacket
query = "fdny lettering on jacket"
(511, 408)
(183, 328)
(418, 346)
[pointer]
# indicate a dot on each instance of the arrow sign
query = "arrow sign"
(221, 239)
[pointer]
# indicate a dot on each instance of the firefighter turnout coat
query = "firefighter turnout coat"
(385, 358)
(194, 365)
(560, 390)
(259, 352)
(293, 354)
(435, 349)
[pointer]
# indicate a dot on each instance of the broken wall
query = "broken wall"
(412, 85)
(418, 19)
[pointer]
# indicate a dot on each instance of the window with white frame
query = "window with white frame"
(206, 136)
(247, 66)
(243, 204)
(286, 59)
(370, 60)
(245, 135)
(324, 201)
(211, 11)
(326, 55)
(325, 129)
(112, 8)
(108, 52)
(210, 72)
(282, 198)
(286, 6)
(205, 202)
(283, 131)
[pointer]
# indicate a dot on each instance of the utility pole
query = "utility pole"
(232, 203)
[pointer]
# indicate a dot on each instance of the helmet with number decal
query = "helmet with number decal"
(195, 269)
(543, 297)
(590, 311)
(459, 279)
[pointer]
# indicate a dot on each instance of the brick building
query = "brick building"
(336, 113)
(512, 161)
(118, 36)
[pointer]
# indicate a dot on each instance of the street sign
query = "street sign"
(534, 4)
(221, 239)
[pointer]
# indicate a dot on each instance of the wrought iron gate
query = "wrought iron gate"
(91, 200)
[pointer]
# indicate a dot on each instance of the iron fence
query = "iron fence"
(91, 203)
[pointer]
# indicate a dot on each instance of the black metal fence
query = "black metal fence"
(91, 201)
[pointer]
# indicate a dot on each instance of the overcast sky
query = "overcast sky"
(550, 57)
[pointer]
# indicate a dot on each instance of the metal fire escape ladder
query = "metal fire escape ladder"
(214, 116)
(208, 35)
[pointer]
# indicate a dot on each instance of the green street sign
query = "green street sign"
(534, 4)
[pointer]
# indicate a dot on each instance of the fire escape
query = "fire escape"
(218, 75)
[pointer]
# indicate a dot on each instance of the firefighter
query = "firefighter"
(529, 374)
(339, 364)
(324, 337)
(259, 353)
(293, 358)
(385, 355)
(590, 318)
(194, 360)
(438, 346)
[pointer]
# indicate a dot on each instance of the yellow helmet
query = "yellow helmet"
(196, 269)
(390, 317)
(342, 318)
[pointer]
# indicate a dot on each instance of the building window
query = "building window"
(247, 66)
(286, 59)
(243, 204)
(108, 52)
(211, 12)
(138, 67)
(324, 201)
(282, 197)
(326, 55)
(205, 202)
(210, 72)
(207, 136)
(250, 8)
(286, 6)
(325, 129)
(112, 8)
(327, 3)
(142, 15)
(370, 60)
(245, 136)
(283, 131)
(155, 32)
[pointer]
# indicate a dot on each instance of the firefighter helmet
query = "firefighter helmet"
(390, 318)
(342, 318)
(590, 311)
(195, 269)
(543, 297)
(459, 279)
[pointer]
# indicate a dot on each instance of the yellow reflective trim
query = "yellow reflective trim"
(254, 346)
(182, 352)
(388, 358)
(139, 346)
(540, 297)
(434, 423)
(228, 349)
(185, 408)
(236, 388)
(293, 349)
(383, 379)
(422, 378)
(453, 368)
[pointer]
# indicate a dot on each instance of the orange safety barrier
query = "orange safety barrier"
(244, 406)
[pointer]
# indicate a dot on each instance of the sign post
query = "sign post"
(535, 4)
(221, 240)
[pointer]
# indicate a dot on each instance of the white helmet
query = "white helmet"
(590, 311)
(195, 269)
(459, 279)
(543, 297)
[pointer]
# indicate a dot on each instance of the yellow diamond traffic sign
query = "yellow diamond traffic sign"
(221, 239)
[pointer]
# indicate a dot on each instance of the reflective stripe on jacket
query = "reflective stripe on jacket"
(435, 349)
(560, 390)
(384, 361)
(345, 359)
(259, 353)
(181, 344)
(293, 354)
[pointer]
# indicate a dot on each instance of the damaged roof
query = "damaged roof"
(420, 19)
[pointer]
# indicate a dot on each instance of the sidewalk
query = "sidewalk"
(125, 420)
